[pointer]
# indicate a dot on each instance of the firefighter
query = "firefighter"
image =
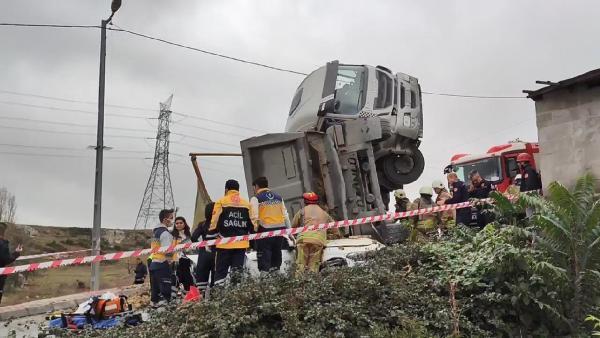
(424, 223)
(459, 194)
(402, 202)
(480, 189)
(530, 178)
(310, 244)
(231, 217)
(445, 218)
(268, 213)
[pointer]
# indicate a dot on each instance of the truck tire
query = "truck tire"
(397, 169)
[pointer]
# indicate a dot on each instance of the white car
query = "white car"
(338, 252)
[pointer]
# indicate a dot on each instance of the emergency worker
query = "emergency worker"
(445, 218)
(161, 273)
(205, 267)
(231, 217)
(268, 213)
(460, 194)
(480, 189)
(6, 256)
(402, 202)
(428, 222)
(530, 178)
(310, 244)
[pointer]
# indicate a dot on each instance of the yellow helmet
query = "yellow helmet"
(399, 193)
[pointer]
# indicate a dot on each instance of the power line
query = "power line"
(207, 52)
(71, 110)
(68, 132)
(47, 25)
(205, 140)
(17, 145)
(54, 98)
(185, 115)
(240, 59)
(69, 124)
(474, 96)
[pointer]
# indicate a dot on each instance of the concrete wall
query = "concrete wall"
(568, 122)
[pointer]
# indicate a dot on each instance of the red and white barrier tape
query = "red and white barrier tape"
(169, 249)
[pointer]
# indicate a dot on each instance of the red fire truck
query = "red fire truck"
(498, 165)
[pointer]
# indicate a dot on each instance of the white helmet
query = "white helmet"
(438, 184)
(426, 190)
(399, 193)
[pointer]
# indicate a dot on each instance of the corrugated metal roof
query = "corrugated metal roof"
(592, 77)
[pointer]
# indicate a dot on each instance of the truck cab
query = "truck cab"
(338, 92)
(498, 165)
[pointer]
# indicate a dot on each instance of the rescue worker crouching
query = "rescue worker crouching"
(231, 217)
(424, 224)
(268, 213)
(445, 218)
(311, 244)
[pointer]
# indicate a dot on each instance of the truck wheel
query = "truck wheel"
(400, 169)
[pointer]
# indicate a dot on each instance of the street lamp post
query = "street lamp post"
(97, 227)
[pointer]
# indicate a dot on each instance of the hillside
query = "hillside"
(38, 239)
(41, 284)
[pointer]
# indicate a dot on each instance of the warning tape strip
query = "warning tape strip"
(274, 233)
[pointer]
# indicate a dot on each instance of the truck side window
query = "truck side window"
(349, 89)
(402, 96)
(296, 101)
(385, 86)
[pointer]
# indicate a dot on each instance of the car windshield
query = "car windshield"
(349, 89)
(490, 169)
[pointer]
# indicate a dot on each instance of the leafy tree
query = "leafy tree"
(8, 206)
(569, 223)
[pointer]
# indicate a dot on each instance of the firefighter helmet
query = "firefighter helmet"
(310, 198)
(426, 190)
(524, 157)
(399, 194)
(438, 184)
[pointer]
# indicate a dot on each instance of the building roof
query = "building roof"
(589, 78)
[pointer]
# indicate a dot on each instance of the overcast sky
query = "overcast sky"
(463, 47)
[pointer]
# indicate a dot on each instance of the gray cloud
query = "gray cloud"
(460, 47)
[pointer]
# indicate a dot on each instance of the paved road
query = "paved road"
(22, 327)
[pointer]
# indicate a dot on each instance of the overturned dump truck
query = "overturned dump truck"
(352, 136)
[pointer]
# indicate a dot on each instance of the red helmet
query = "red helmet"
(310, 198)
(524, 157)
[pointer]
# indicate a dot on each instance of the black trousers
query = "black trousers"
(184, 273)
(226, 259)
(269, 253)
(205, 269)
(161, 277)
(2, 281)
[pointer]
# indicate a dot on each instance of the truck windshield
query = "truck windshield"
(490, 169)
(349, 91)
